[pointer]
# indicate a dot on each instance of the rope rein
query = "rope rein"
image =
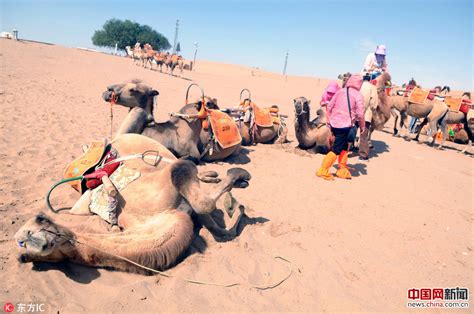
(113, 101)
(198, 282)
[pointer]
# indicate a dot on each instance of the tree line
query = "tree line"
(127, 33)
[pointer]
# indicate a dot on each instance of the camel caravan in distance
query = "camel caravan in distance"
(146, 55)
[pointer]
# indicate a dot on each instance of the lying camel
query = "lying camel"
(311, 135)
(261, 134)
(184, 137)
(458, 117)
(155, 216)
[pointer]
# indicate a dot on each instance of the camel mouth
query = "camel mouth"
(23, 258)
(107, 95)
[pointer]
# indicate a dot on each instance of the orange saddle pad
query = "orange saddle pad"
(81, 165)
(454, 104)
(418, 96)
(224, 128)
(263, 116)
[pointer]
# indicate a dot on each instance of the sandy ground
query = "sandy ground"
(404, 221)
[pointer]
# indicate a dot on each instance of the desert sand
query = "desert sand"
(405, 220)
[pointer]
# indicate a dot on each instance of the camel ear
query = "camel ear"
(309, 101)
(154, 92)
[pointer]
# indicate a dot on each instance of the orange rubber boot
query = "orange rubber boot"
(343, 172)
(328, 161)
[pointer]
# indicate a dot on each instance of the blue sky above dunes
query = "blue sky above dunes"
(429, 40)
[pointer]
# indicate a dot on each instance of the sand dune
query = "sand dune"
(405, 220)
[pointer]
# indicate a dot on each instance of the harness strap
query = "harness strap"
(157, 158)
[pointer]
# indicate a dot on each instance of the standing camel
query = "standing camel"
(376, 106)
(431, 110)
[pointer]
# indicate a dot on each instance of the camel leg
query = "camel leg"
(184, 176)
(210, 224)
(134, 122)
(444, 129)
(395, 116)
(425, 121)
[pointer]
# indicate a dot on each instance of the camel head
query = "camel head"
(133, 94)
(344, 78)
(42, 239)
(301, 105)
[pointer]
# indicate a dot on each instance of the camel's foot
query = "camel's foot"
(239, 177)
(209, 177)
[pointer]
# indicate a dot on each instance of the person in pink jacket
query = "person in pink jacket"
(329, 93)
(344, 109)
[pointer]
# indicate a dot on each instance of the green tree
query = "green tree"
(127, 33)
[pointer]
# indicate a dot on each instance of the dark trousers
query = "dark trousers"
(341, 136)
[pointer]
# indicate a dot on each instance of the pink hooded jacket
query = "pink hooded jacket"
(329, 92)
(338, 112)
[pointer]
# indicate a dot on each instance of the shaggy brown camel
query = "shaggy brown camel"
(311, 135)
(155, 216)
(182, 136)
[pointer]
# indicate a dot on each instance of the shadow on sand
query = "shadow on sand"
(78, 273)
(241, 159)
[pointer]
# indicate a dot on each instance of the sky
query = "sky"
(431, 41)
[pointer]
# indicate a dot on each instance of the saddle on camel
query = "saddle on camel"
(222, 130)
(100, 166)
(257, 124)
